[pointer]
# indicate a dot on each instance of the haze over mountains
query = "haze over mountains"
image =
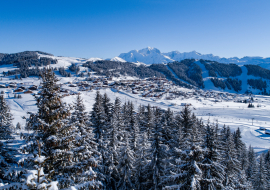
(152, 55)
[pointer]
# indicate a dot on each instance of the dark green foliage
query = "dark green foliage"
(195, 73)
(188, 71)
(250, 105)
(257, 84)
(234, 83)
(258, 71)
(5, 120)
(74, 68)
(113, 68)
(63, 72)
(211, 70)
(164, 70)
(24, 60)
(67, 144)
(223, 69)
(219, 83)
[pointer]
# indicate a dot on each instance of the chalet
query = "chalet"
(12, 86)
(18, 90)
(28, 92)
(22, 87)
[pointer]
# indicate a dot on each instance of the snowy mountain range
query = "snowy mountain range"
(152, 55)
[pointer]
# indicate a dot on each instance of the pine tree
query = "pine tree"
(107, 106)
(239, 145)
(141, 118)
(111, 146)
(141, 161)
(230, 161)
(85, 151)
(260, 179)
(60, 140)
(157, 154)
(5, 120)
(187, 120)
(125, 166)
(149, 122)
(252, 164)
(187, 172)
(18, 126)
(169, 128)
(98, 116)
(267, 164)
(8, 173)
(213, 171)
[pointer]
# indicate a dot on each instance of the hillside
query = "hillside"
(151, 55)
(215, 90)
(189, 73)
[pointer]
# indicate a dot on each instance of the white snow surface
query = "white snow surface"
(118, 59)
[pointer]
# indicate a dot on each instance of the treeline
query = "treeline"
(164, 70)
(28, 58)
(115, 69)
(117, 147)
(230, 83)
(188, 71)
(258, 71)
(257, 84)
(27, 63)
(223, 69)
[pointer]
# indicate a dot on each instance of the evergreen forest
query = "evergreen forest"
(119, 147)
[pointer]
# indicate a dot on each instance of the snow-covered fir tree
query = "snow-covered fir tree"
(230, 161)
(9, 173)
(98, 116)
(5, 120)
(140, 175)
(157, 154)
(187, 172)
(267, 164)
(111, 147)
(18, 126)
(85, 154)
(67, 156)
(125, 166)
(252, 164)
(260, 181)
(213, 171)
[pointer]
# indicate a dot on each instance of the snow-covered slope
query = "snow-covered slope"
(117, 59)
(151, 55)
(147, 55)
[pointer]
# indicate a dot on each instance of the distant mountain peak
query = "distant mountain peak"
(150, 55)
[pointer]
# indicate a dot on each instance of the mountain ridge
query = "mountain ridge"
(152, 55)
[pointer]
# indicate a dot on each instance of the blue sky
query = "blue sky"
(105, 29)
